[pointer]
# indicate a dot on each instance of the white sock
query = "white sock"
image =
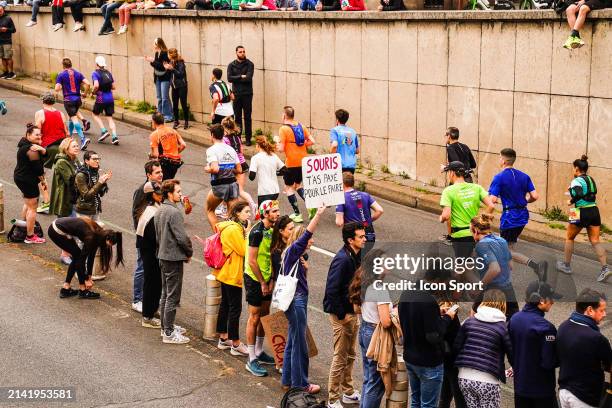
(259, 345)
(252, 355)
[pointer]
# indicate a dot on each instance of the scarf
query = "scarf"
(584, 320)
(144, 219)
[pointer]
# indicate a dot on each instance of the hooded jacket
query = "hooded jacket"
(62, 186)
(235, 70)
(483, 342)
(234, 247)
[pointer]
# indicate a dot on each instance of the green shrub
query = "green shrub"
(405, 175)
(53, 77)
(145, 107)
(555, 214)
(385, 169)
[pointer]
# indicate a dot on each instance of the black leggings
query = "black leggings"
(180, 94)
(79, 259)
(151, 289)
(450, 389)
(228, 320)
(57, 15)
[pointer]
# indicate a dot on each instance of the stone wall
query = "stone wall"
(502, 78)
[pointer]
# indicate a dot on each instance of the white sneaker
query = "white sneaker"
(175, 338)
(98, 277)
(152, 323)
(57, 27)
(241, 350)
(224, 345)
(177, 328)
(336, 404)
(122, 30)
(78, 27)
(137, 307)
(31, 23)
(354, 398)
(562, 267)
(605, 274)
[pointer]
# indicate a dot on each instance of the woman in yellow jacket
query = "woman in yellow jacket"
(233, 233)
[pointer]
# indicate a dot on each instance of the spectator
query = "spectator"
(232, 138)
(295, 358)
(352, 5)
(584, 353)
(534, 345)
(481, 345)
(456, 151)
(146, 243)
(161, 77)
(69, 81)
(174, 249)
(166, 146)
(103, 86)
(29, 172)
(178, 81)
(154, 174)
(576, 15)
(344, 140)
(283, 228)
(7, 29)
(324, 5)
(308, 5)
(76, 9)
(240, 75)
(286, 5)
(391, 5)
(232, 234)
(107, 12)
(218, 4)
(125, 12)
(221, 96)
(450, 384)
(359, 207)
(36, 4)
(57, 14)
(345, 325)
(91, 186)
(256, 5)
(585, 214)
(264, 166)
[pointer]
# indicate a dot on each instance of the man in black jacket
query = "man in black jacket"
(456, 151)
(341, 315)
(240, 75)
(7, 29)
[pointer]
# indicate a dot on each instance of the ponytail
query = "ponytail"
(482, 222)
(265, 145)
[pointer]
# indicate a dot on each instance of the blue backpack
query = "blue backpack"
(298, 134)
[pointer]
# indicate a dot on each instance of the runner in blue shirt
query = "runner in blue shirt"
(103, 85)
(344, 140)
(69, 81)
(359, 207)
(516, 190)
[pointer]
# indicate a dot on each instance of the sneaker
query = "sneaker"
(568, 43)
(224, 344)
(312, 388)
(108, 31)
(31, 23)
(88, 294)
(562, 267)
(86, 125)
(265, 358)
(311, 213)
(122, 30)
(4, 74)
(354, 398)
(115, 141)
(85, 144)
(296, 218)
(336, 404)
(11, 75)
(66, 293)
(43, 208)
(177, 328)
(176, 125)
(605, 274)
(541, 270)
(137, 307)
(78, 27)
(98, 277)
(34, 239)
(256, 369)
(66, 260)
(175, 338)
(103, 135)
(241, 350)
(577, 42)
(151, 323)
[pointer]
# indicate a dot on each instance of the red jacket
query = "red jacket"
(353, 5)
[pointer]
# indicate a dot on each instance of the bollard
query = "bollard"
(1, 209)
(399, 395)
(213, 299)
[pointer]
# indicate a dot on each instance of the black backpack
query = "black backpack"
(105, 81)
(18, 234)
(298, 398)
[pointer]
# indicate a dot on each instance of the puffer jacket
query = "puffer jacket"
(62, 187)
(483, 342)
(234, 246)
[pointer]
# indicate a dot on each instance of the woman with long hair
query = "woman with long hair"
(233, 242)
(265, 166)
(282, 230)
(161, 77)
(29, 171)
(375, 307)
(481, 346)
(233, 137)
(584, 213)
(63, 232)
(295, 360)
(178, 81)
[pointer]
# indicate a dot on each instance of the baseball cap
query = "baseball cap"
(152, 187)
(100, 61)
(540, 290)
(455, 166)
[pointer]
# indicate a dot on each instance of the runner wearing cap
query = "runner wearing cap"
(534, 344)
(103, 85)
(257, 285)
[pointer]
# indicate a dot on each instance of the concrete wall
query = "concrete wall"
(502, 78)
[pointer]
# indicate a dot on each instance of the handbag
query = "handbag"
(284, 289)
(606, 399)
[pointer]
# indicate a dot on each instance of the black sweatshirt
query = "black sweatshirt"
(29, 164)
(393, 5)
(423, 328)
(461, 152)
(6, 37)
(179, 75)
(235, 70)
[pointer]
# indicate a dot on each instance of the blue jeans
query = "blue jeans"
(162, 90)
(373, 387)
(306, 5)
(425, 385)
(295, 359)
(138, 278)
(107, 12)
(35, 7)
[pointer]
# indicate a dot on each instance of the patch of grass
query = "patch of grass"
(555, 214)
(556, 225)
(404, 175)
(361, 186)
(145, 107)
(385, 169)
(370, 173)
(423, 190)
(433, 182)
(605, 229)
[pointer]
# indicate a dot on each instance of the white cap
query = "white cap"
(100, 61)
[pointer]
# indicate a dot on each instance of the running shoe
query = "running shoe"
(43, 208)
(264, 358)
(103, 135)
(605, 274)
(115, 141)
(256, 369)
(88, 294)
(85, 144)
(224, 344)
(66, 293)
(175, 338)
(296, 218)
(568, 43)
(151, 323)
(577, 42)
(354, 398)
(563, 267)
(241, 350)
(34, 239)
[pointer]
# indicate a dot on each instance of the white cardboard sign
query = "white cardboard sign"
(322, 176)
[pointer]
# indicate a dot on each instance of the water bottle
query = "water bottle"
(19, 223)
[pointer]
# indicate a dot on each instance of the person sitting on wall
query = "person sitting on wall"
(286, 5)
(576, 17)
(391, 5)
(353, 5)
(320, 5)
(257, 5)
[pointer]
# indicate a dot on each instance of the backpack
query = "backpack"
(18, 233)
(298, 134)
(298, 398)
(225, 96)
(591, 192)
(213, 251)
(105, 80)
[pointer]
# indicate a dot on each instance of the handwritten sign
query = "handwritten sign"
(322, 177)
(276, 327)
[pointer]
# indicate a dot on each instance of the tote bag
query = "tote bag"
(285, 287)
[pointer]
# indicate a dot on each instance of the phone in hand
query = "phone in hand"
(453, 309)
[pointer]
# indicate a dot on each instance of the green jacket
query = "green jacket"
(62, 187)
(88, 194)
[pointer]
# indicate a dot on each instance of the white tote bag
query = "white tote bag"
(284, 289)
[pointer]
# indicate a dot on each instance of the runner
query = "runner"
(69, 81)
(103, 85)
(166, 146)
(257, 285)
(222, 97)
(294, 139)
(515, 190)
(584, 214)
(344, 140)
(265, 166)
(359, 207)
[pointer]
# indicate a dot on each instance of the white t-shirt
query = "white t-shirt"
(266, 166)
(226, 157)
(374, 298)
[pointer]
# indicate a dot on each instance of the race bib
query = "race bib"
(574, 215)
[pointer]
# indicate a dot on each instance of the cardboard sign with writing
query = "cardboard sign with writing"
(322, 178)
(276, 326)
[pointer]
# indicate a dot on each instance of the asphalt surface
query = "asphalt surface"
(100, 346)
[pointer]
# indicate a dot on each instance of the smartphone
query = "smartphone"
(453, 309)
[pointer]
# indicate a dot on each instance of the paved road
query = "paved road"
(398, 224)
